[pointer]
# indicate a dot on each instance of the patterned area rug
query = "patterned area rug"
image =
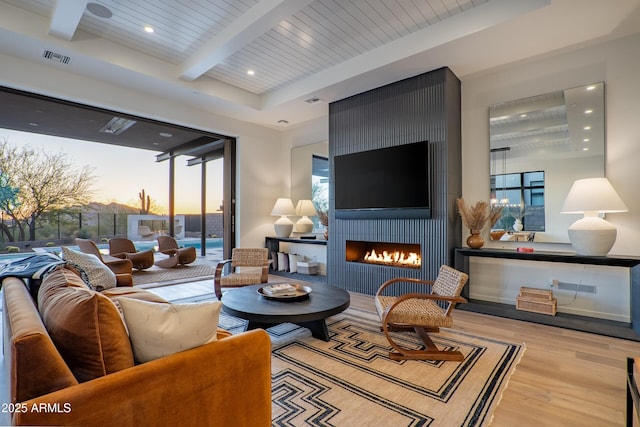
(174, 275)
(351, 380)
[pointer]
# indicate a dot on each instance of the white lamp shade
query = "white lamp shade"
(305, 208)
(593, 195)
(282, 207)
(592, 235)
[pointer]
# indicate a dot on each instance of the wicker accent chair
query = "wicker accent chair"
(117, 265)
(168, 246)
(123, 248)
(249, 266)
(422, 313)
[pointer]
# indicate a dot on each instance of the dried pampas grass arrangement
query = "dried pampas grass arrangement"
(495, 212)
(473, 217)
(323, 217)
(476, 217)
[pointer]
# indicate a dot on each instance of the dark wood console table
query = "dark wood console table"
(273, 243)
(584, 323)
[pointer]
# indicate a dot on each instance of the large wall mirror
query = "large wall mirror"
(538, 147)
(310, 175)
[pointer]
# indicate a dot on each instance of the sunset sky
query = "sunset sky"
(121, 173)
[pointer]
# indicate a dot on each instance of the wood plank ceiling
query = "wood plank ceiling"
(314, 38)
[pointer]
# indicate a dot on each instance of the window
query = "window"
(320, 186)
(522, 195)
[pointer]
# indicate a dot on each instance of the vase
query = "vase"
(517, 225)
(475, 241)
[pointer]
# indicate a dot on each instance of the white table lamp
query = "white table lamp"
(283, 208)
(592, 235)
(305, 209)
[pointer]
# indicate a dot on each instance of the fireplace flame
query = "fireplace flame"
(400, 258)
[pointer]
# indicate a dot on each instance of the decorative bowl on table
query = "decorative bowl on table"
(285, 291)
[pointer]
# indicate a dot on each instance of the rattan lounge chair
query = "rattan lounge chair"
(248, 266)
(422, 312)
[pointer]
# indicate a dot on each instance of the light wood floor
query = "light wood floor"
(565, 378)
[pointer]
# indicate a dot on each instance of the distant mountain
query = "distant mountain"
(112, 207)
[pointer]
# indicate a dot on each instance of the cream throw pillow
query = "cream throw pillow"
(157, 330)
(100, 276)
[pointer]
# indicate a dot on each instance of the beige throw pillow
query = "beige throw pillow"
(100, 276)
(157, 330)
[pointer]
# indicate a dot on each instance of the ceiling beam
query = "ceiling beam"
(214, 155)
(65, 18)
(481, 17)
(197, 147)
(254, 23)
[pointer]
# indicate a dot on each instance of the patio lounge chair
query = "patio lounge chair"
(117, 265)
(168, 246)
(120, 247)
(145, 232)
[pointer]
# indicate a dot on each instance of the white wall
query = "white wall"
(617, 63)
(262, 153)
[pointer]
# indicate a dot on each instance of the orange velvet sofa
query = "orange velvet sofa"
(223, 383)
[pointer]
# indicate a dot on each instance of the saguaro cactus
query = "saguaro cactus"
(145, 202)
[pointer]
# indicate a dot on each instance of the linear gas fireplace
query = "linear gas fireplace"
(406, 255)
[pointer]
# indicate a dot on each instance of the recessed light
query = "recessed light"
(587, 128)
(585, 149)
(283, 122)
(588, 111)
(148, 29)
(251, 72)
(592, 87)
(165, 134)
(312, 100)
(585, 140)
(33, 124)
(523, 115)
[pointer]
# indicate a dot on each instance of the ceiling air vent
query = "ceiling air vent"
(117, 125)
(57, 57)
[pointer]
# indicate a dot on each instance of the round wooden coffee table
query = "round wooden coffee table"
(323, 301)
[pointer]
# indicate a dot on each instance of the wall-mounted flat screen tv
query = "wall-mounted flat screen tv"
(391, 182)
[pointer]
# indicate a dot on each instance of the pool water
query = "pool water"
(104, 248)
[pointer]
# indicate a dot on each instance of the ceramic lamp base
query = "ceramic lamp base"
(283, 227)
(592, 236)
(304, 225)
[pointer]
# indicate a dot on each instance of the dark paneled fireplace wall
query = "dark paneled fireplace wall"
(424, 107)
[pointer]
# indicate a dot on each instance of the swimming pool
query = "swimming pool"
(211, 244)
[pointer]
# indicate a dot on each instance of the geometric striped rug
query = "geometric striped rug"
(350, 380)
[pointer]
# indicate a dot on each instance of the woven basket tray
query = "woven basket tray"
(537, 305)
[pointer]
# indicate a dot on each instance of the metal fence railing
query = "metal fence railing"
(64, 227)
